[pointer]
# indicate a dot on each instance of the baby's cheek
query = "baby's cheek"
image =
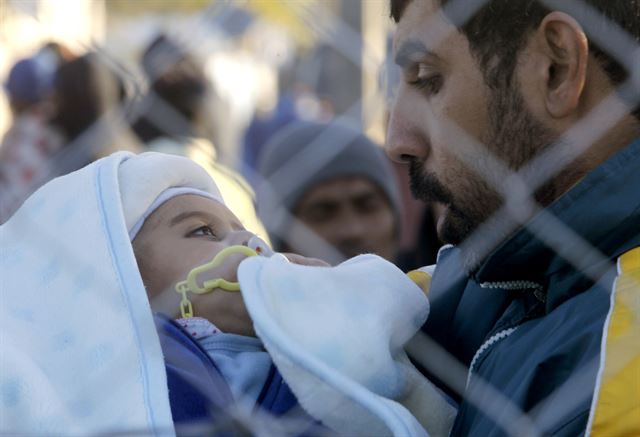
(224, 309)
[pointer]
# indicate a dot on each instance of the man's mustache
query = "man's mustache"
(426, 187)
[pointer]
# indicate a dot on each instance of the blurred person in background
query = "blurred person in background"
(52, 55)
(173, 107)
(90, 103)
(25, 86)
(263, 126)
(172, 119)
(30, 142)
(297, 101)
(56, 129)
(328, 192)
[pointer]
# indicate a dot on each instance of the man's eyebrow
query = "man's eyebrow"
(408, 51)
(189, 214)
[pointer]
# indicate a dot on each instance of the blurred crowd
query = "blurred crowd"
(305, 179)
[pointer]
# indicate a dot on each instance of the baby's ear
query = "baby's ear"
(140, 251)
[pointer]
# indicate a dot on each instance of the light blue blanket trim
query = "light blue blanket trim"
(274, 335)
(143, 328)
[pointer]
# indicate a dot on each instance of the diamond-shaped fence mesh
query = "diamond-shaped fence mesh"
(526, 164)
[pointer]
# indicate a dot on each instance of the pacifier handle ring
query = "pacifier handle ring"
(186, 307)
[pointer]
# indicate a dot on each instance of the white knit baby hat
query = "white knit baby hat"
(150, 179)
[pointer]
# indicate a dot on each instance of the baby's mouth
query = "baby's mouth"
(219, 273)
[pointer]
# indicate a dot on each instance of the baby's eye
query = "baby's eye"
(203, 231)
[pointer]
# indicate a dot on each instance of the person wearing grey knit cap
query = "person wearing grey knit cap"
(327, 191)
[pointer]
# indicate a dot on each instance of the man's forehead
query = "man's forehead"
(423, 22)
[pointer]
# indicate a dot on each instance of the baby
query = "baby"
(185, 228)
(88, 254)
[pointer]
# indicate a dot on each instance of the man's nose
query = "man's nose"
(405, 136)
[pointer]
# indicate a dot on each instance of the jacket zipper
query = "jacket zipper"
(486, 345)
(538, 292)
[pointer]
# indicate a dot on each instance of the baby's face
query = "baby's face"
(183, 233)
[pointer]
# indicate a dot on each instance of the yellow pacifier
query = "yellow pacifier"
(255, 247)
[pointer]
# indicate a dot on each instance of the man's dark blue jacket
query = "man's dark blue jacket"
(550, 322)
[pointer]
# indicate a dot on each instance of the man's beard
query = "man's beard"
(514, 136)
(460, 222)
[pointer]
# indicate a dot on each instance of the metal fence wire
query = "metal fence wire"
(130, 102)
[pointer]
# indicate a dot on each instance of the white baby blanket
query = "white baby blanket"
(337, 334)
(79, 353)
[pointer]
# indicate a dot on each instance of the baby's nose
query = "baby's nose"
(240, 238)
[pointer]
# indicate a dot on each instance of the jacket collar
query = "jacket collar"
(603, 210)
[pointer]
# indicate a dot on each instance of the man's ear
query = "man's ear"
(566, 48)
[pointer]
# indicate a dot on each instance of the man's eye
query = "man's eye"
(431, 85)
(426, 79)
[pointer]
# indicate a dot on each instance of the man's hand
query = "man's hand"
(304, 261)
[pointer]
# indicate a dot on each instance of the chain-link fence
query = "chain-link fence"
(515, 124)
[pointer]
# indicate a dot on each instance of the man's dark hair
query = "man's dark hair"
(499, 30)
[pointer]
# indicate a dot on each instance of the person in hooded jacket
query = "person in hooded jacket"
(519, 119)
